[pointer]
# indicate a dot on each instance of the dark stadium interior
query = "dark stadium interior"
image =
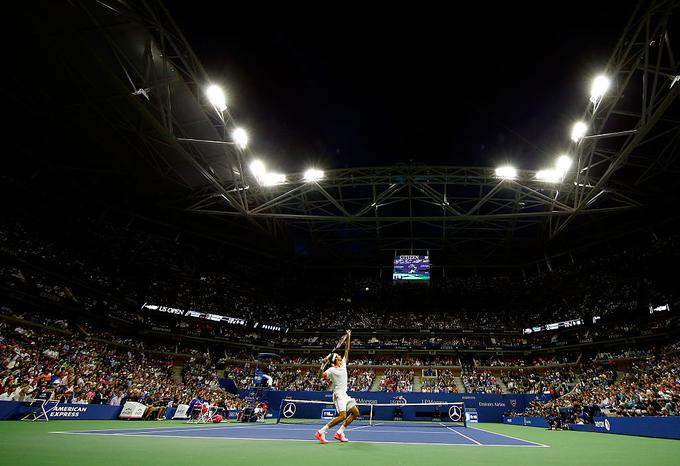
(140, 263)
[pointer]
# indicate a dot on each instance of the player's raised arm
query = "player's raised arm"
(349, 333)
(324, 366)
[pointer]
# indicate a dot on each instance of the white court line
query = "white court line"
(286, 429)
(179, 429)
(162, 431)
(464, 436)
(187, 429)
(406, 432)
(157, 429)
(510, 436)
(363, 427)
(295, 440)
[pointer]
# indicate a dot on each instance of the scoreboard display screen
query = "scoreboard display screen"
(554, 326)
(411, 268)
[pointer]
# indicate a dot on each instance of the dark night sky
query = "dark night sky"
(472, 84)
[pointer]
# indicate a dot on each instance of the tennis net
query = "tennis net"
(397, 414)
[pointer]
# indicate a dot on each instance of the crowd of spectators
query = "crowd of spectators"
(495, 361)
(553, 381)
(396, 380)
(73, 368)
(360, 380)
(92, 276)
(439, 381)
(79, 366)
(284, 377)
(622, 353)
(480, 382)
(650, 386)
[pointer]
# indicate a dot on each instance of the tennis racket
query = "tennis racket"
(341, 341)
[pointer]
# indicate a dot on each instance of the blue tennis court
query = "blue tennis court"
(378, 433)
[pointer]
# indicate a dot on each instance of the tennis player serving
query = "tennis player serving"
(337, 374)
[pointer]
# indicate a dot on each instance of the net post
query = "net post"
(464, 416)
(370, 416)
(278, 418)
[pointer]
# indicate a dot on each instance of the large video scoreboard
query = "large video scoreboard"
(411, 268)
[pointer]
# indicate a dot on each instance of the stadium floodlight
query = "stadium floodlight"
(563, 164)
(314, 175)
(600, 86)
(578, 131)
(258, 168)
(549, 176)
(240, 137)
(272, 179)
(506, 172)
(216, 97)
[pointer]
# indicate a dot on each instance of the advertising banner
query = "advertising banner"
(19, 409)
(489, 408)
(644, 426)
(132, 410)
(182, 412)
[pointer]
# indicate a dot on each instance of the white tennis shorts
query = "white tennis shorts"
(343, 402)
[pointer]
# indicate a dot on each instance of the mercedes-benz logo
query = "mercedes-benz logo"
(455, 413)
(289, 410)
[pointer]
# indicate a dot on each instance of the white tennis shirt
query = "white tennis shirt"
(338, 377)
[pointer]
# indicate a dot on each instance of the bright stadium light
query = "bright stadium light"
(549, 176)
(600, 86)
(506, 172)
(578, 131)
(272, 179)
(258, 168)
(563, 164)
(314, 175)
(216, 97)
(240, 137)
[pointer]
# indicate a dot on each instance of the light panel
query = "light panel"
(258, 168)
(314, 174)
(578, 131)
(216, 97)
(549, 176)
(272, 179)
(240, 137)
(506, 172)
(599, 88)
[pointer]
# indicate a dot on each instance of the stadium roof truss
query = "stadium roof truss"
(628, 159)
(455, 204)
